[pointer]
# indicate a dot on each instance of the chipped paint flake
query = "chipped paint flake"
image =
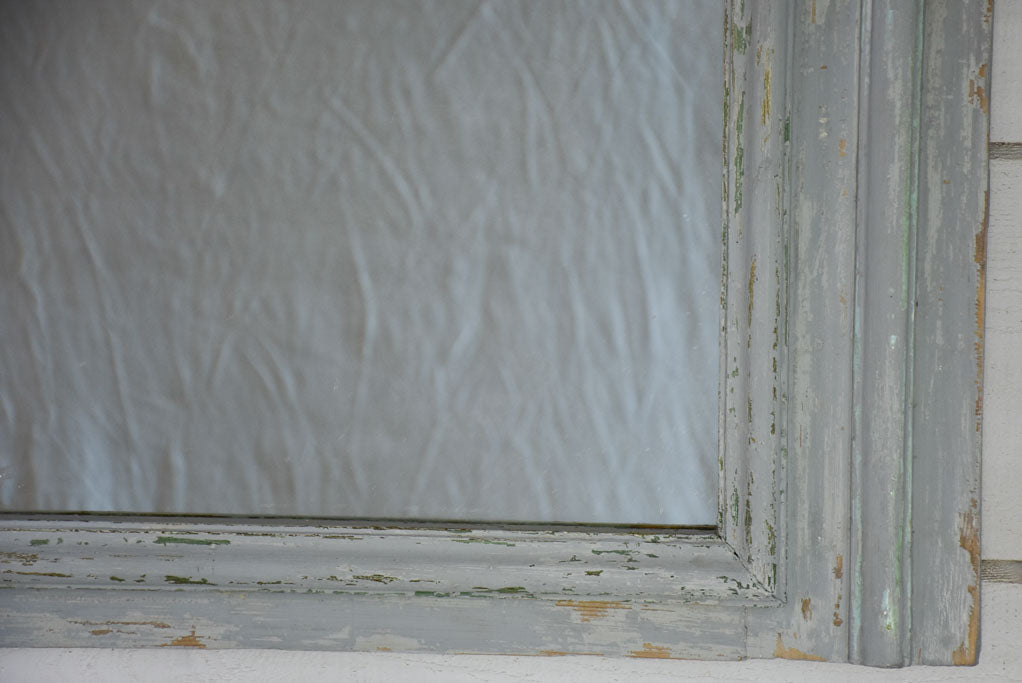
(968, 538)
(980, 259)
(191, 640)
(651, 651)
(593, 609)
(792, 653)
(154, 624)
(165, 540)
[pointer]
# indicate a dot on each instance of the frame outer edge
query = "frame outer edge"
(948, 376)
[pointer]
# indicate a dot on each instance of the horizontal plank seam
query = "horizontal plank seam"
(1002, 571)
(1006, 150)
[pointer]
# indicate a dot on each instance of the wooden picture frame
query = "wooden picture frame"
(855, 186)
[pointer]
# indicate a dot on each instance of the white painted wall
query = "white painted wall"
(1001, 654)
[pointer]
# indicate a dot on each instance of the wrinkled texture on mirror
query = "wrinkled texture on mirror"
(447, 260)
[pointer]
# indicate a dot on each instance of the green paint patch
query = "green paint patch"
(652, 555)
(378, 578)
(170, 578)
(593, 572)
(269, 583)
(505, 589)
(748, 522)
(739, 153)
(56, 574)
(39, 541)
(739, 37)
(609, 552)
(432, 594)
(483, 540)
(117, 579)
(165, 540)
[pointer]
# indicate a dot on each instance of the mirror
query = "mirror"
(403, 260)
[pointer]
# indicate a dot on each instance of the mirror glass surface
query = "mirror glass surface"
(414, 260)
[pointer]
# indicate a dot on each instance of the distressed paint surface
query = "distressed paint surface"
(950, 303)
(753, 387)
(589, 572)
(821, 265)
(885, 235)
(845, 297)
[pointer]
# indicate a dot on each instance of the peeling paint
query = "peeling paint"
(977, 94)
(793, 653)
(154, 624)
(739, 153)
(190, 640)
(378, 578)
(752, 281)
(740, 37)
(968, 538)
(164, 540)
(170, 578)
(980, 258)
(26, 559)
(483, 540)
(765, 109)
(593, 609)
(651, 651)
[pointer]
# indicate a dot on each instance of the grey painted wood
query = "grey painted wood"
(855, 194)
(105, 618)
(885, 234)
(753, 346)
(821, 264)
(948, 355)
(453, 563)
